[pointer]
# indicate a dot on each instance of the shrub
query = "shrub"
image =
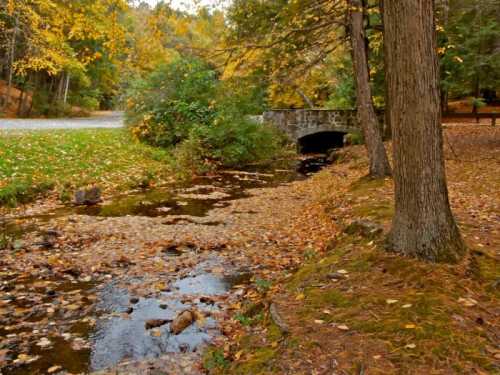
(162, 108)
(227, 143)
(184, 106)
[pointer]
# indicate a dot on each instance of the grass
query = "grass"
(36, 162)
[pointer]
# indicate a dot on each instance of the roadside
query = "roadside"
(34, 164)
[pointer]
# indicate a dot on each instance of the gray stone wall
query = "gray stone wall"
(298, 123)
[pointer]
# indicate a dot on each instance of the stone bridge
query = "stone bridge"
(300, 123)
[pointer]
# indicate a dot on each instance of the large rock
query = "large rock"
(182, 321)
(88, 197)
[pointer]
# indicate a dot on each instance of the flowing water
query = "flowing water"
(111, 328)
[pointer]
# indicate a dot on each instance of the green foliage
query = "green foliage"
(227, 143)
(163, 107)
(354, 139)
(22, 191)
(184, 105)
(343, 95)
(214, 359)
(478, 102)
(470, 58)
(263, 285)
(244, 320)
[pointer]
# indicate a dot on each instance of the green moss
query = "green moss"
(329, 298)
(379, 211)
(261, 362)
(274, 332)
(360, 265)
(214, 361)
(365, 185)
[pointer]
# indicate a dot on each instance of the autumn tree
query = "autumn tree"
(469, 48)
(295, 38)
(379, 163)
(423, 225)
(60, 43)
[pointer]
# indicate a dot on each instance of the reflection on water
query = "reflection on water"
(120, 333)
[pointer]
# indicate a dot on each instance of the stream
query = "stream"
(88, 325)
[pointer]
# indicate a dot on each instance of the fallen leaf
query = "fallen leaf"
(156, 333)
(391, 301)
(468, 302)
(44, 343)
(54, 369)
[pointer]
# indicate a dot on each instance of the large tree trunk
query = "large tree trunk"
(423, 224)
(379, 163)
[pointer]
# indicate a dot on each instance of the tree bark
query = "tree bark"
(423, 225)
(12, 52)
(304, 97)
(379, 163)
(66, 89)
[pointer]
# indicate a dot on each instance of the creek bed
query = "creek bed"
(95, 325)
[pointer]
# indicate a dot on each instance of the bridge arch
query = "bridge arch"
(302, 125)
(320, 141)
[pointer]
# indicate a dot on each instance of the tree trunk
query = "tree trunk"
(12, 52)
(60, 87)
(20, 103)
(423, 225)
(66, 89)
(304, 97)
(387, 134)
(379, 163)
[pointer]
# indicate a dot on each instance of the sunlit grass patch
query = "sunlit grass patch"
(33, 162)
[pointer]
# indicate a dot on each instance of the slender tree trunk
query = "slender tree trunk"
(387, 119)
(444, 94)
(304, 97)
(423, 225)
(60, 87)
(21, 102)
(66, 88)
(12, 52)
(379, 163)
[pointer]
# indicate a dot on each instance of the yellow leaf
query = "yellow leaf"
(300, 297)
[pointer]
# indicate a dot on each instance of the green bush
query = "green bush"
(162, 108)
(228, 143)
(185, 107)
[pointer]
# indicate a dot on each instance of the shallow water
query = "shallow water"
(119, 332)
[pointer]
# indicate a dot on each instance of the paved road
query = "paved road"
(98, 120)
